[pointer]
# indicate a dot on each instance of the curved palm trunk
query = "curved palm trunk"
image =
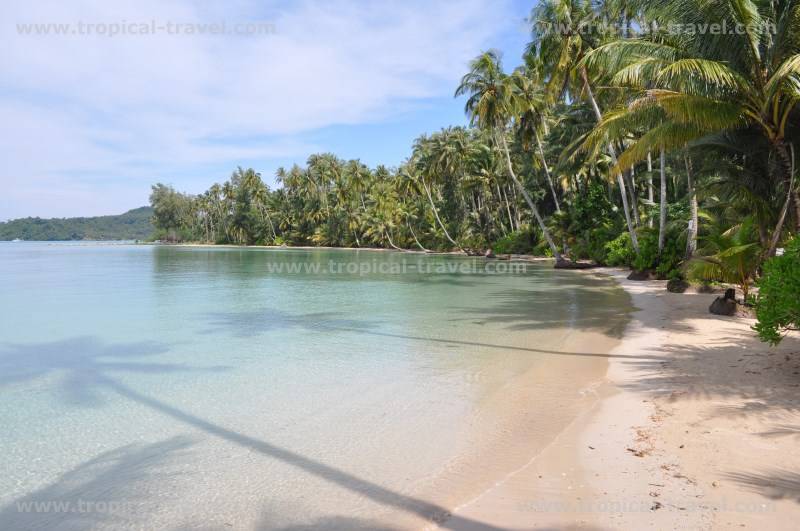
(414, 234)
(662, 219)
(788, 161)
(632, 190)
(265, 215)
(389, 239)
(613, 153)
(547, 172)
(691, 240)
(436, 214)
(650, 186)
(504, 198)
(531, 204)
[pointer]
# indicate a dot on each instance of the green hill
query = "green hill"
(132, 225)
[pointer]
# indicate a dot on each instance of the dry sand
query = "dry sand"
(695, 426)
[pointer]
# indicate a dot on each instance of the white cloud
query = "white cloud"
(93, 118)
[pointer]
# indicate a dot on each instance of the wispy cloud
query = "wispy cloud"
(89, 121)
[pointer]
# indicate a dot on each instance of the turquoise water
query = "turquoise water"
(147, 387)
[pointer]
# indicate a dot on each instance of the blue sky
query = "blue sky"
(88, 122)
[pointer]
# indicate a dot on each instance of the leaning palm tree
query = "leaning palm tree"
(424, 167)
(702, 83)
(530, 109)
(489, 106)
(562, 36)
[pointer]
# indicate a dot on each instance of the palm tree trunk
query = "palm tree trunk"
(662, 219)
(414, 234)
(691, 239)
(788, 162)
(613, 153)
(632, 192)
(547, 172)
(265, 215)
(517, 215)
(531, 204)
(504, 197)
(436, 214)
(649, 186)
(389, 238)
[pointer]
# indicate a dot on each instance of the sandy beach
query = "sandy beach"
(694, 427)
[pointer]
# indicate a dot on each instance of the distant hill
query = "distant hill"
(132, 225)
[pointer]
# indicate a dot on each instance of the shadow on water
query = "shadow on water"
(251, 323)
(581, 307)
(114, 483)
(44, 364)
(83, 363)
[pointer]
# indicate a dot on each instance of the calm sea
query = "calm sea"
(152, 387)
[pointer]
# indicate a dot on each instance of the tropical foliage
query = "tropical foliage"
(657, 135)
(778, 303)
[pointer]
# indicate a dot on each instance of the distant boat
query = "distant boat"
(17, 240)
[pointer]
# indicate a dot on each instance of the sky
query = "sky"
(90, 120)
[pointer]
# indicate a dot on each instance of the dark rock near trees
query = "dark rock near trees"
(641, 275)
(705, 288)
(725, 305)
(677, 285)
(569, 264)
(730, 294)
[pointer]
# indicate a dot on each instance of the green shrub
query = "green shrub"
(667, 264)
(592, 244)
(619, 251)
(519, 242)
(778, 301)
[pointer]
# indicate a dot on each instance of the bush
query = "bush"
(778, 301)
(519, 242)
(666, 265)
(592, 244)
(619, 251)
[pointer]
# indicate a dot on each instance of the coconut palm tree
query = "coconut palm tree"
(702, 83)
(530, 109)
(564, 31)
(490, 107)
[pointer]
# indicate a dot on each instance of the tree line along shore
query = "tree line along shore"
(670, 152)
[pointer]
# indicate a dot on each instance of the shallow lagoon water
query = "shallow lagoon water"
(209, 388)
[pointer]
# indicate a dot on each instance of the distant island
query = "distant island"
(132, 225)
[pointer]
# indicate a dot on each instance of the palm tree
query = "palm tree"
(424, 162)
(562, 36)
(530, 108)
(730, 254)
(489, 106)
(702, 83)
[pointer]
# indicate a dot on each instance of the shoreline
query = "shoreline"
(694, 427)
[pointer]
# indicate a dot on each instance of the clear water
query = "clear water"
(147, 387)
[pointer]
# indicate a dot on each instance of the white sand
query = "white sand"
(695, 427)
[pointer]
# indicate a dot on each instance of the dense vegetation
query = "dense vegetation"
(778, 305)
(657, 135)
(132, 225)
